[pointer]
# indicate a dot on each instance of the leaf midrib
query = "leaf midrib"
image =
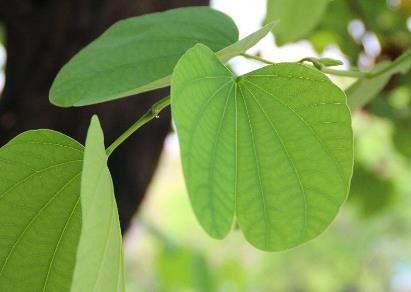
(267, 234)
(213, 157)
(193, 129)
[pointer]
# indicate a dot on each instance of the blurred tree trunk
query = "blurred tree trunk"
(42, 35)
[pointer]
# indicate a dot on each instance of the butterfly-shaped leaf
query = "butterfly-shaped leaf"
(272, 149)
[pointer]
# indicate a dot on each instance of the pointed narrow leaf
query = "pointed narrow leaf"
(138, 54)
(244, 44)
(274, 148)
(40, 213)
(364, 89)
(99, 264)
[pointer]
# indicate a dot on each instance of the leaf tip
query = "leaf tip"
(95, 126)
(95, 120)
(56, 101)
(95, 129)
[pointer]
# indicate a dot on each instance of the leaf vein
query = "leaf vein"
(257, 164)
(290, 160)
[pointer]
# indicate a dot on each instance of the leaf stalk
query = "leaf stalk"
(348, 73)
(148, 116)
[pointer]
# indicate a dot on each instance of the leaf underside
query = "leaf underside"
(40, 212)
(272, 148)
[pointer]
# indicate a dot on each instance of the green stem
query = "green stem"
(148, 116)
(248, 56)
(350, 73)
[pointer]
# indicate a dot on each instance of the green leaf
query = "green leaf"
(138, 54)
(371, 192)
(244, 44)
(182, 269)
(40, 212)
(402, 139)
(297, 18)
(179, 268)
(364, 89)
(56, 234)
(99, 264)
(272, 148)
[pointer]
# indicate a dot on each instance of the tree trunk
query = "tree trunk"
(41, 36)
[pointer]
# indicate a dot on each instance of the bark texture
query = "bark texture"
(41, 36)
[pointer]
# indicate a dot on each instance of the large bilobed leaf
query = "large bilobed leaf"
(272, 148)
(99, 264)
(138, 54)
(297, 18)
(40, 212)
(364, 89)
